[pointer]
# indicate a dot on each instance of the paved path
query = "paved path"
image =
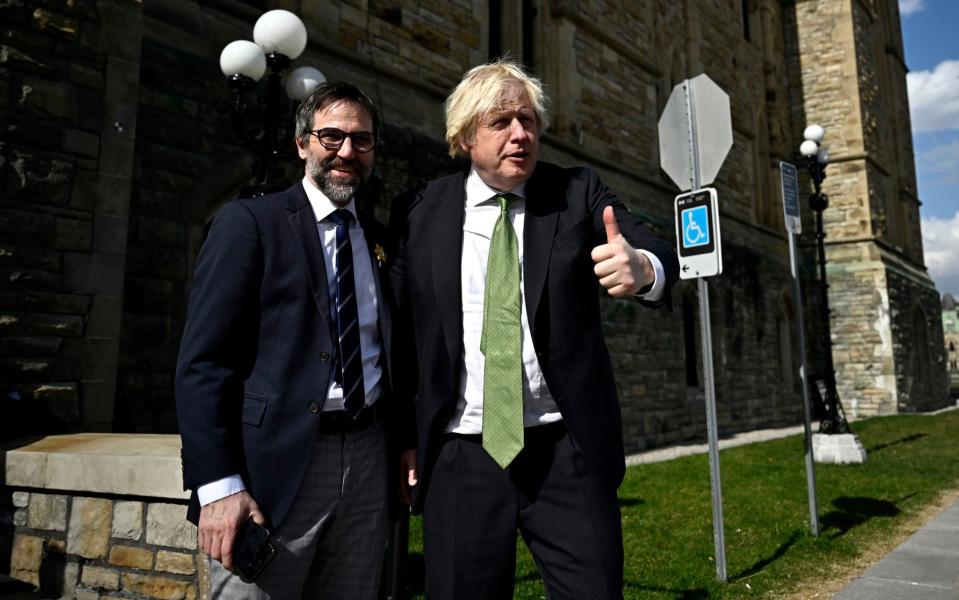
(924, 567)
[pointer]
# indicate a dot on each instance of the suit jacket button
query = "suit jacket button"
(314, 407)
(324, 356)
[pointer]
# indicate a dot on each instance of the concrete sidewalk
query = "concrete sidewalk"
(924, 567)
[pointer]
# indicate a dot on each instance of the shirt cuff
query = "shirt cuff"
(655, 293)
(219, 489)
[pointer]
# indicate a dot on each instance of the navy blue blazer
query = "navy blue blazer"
(563, 223)
(255, 360)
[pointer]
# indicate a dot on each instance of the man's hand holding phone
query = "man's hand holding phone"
(221, 521)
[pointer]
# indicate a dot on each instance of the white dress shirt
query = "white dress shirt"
(482, 212)
(366, 306)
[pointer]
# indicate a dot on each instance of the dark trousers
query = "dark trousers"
(567, 516)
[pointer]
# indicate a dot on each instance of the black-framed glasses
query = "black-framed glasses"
(332, 138)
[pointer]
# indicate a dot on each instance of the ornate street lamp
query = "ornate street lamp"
(816, 158)
(279, 37)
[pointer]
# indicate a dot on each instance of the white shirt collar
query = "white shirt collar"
(478, 192)
(323, 207)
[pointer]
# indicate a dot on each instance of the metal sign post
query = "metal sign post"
(695, 134)
(790, 186)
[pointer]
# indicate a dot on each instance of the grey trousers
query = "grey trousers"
(331, 544)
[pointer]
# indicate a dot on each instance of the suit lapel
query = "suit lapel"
(303, 222)
(538, 232)
(376, 248)
(447, 210)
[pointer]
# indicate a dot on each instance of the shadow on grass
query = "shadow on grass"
(765, 562)
(852, 511)
(627, 501)
(905, 440)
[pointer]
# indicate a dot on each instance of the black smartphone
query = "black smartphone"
(252, 551)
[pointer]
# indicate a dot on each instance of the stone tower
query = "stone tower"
(848, 73)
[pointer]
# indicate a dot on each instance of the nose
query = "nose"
(346, 150)
(516, 130)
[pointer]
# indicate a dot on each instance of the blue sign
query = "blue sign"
(696, 226)
(789, 178)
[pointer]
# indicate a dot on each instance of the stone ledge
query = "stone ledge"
(145, 465)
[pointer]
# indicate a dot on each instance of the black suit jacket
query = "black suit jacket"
(256, 356)
(563, 223)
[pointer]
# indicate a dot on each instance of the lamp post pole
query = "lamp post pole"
(816, 159)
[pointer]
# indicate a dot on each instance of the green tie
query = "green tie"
(501, 343)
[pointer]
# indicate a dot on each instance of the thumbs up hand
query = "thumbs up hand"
(621, 269)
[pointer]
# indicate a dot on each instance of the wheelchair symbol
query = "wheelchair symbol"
(694, 230)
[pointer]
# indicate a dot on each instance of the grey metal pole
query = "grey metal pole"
(716, 484)
(719, 535)
(800, 327)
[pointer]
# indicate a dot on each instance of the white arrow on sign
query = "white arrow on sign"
(695, 133)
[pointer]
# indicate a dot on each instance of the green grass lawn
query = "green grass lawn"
(667, 513)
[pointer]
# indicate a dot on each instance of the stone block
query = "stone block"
(105, 316)
(106, 194)
(87, 357)
(60, 399)
(175, 562)
(20, 518)
(71, 304)
(90, 522)
(87, 595)
(131, 556)
(116, 154)
(27, 553)
(40, 178)
(82, 143)
(74, 234)
(29, 369)
(110, 234)
(71, 576)
(26, 228)
(116, 464)
(161, 588)
(98, 399)
(30, 346)
(95, 273)
(48, 511)
(167, 526)
(21, 499)
(838, 448)
(59, 325)
(100, 577)
(47, 98)
(57, 546)
(127, 520)
(32, 577)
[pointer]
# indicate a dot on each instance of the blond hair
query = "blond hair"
(482, 91)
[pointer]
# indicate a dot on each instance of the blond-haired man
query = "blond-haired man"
(518, 422)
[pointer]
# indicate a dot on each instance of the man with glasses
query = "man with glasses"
(282, 383)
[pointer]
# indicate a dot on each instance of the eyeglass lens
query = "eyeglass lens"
(332, 138)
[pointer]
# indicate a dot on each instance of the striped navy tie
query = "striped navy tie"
(349, 368)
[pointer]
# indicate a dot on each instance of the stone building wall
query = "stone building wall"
(67, 73)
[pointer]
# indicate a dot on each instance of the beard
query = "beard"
(339, 190)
